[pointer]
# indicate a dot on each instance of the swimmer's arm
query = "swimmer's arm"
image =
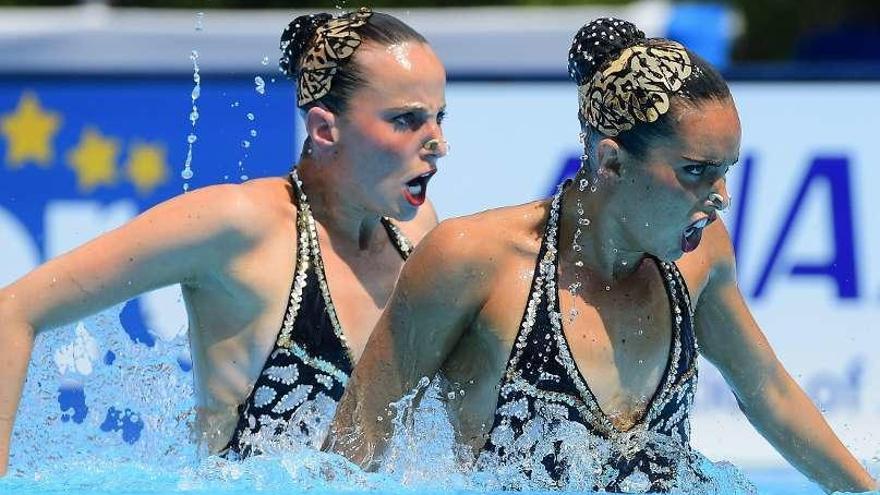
(436, 298)
(773, 402)
(175, 242)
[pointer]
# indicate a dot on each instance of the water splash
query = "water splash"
(187, 172)
(49, 455)
(200, 17)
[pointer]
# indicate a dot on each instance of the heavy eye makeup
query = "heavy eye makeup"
(412, 119)
(697, 169)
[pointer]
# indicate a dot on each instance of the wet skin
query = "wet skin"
(460, 300)
(233, 247)
(620, 336)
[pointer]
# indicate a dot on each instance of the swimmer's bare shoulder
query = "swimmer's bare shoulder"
(483, 241)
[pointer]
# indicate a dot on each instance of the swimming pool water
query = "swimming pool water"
(104, 414)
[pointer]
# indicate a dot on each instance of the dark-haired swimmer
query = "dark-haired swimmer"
(571, 325)
(283, 278)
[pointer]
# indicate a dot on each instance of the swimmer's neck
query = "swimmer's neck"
(601, 250)
(348, 223)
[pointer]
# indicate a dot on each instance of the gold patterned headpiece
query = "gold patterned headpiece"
(636, 87)
(334, 43)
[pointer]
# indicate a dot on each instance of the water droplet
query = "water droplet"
(641, 361)
(583, 185)
(260, 85)
(234, 104)
(196, 92)
(245, 143)
(186, 174)
(194, 116)
(250, 116)
(593, 189)
(244, 177)
(265, 61)
(450, 395)
(200, 17)
(584, 221)
(607, 288)
(253, 133)
(579, 263)
(185, 186)
(191, 138)
(379, 418)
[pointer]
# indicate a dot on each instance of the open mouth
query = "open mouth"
(690, 238)
(416, 190)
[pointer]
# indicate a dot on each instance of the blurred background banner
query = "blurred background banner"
(98, 100)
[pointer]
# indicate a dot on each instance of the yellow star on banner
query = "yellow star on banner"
(93, 160)
(29, 130)
(147, 167)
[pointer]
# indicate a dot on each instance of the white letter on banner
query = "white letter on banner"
(71, 223)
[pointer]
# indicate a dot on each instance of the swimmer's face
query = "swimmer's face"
(665, 193)
(388, 121)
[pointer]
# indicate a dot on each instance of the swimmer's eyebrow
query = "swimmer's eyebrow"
(419, 107)
(711, 163)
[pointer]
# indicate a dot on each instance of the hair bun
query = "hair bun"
(596, 43)
(296, 38)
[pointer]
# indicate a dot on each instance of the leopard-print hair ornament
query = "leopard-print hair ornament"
(636, 87)
(334, 43)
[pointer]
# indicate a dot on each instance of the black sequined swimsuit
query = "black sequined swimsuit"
(549, 431)
(295, 396)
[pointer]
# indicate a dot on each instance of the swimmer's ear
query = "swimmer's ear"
(322, 130)
(609, 157)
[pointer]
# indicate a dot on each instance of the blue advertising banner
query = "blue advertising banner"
(124, 141)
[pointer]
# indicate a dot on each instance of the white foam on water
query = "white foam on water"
(51, 454)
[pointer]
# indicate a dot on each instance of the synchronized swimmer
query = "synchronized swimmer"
(583, 377)
(580, 377)
(258, 262)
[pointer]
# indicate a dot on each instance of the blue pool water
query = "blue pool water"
(294, 474)
(106, 413)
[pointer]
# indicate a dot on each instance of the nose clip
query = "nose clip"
(437, 145)
(717, 201)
